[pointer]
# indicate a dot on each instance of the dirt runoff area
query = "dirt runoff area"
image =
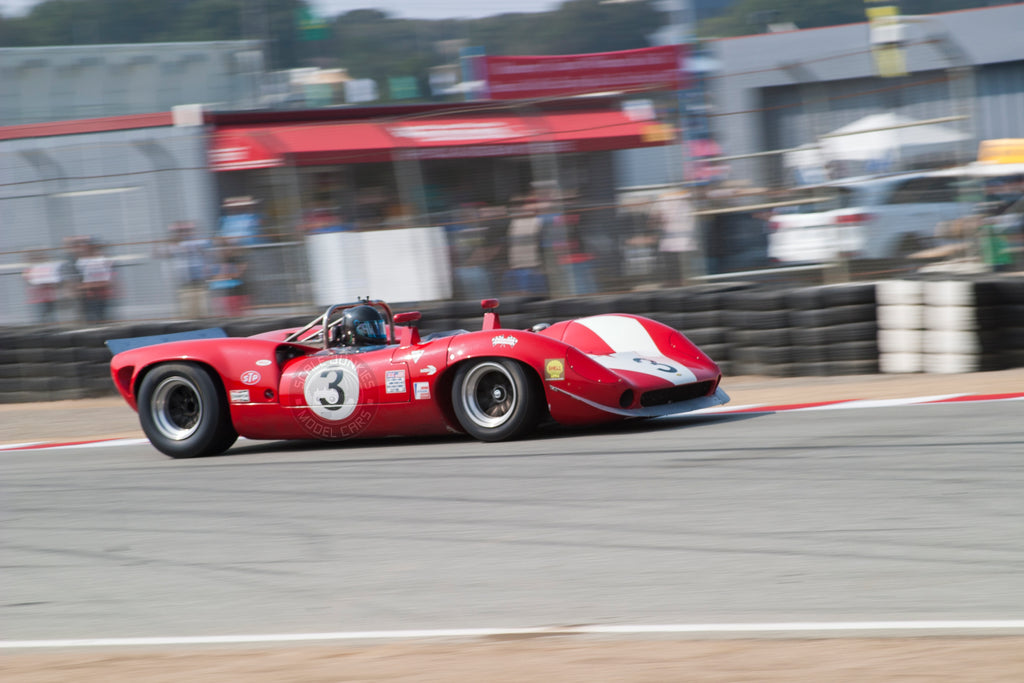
(557, 658)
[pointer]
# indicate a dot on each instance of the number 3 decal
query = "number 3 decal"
(660, 367)
(335, 386)
(331, 389)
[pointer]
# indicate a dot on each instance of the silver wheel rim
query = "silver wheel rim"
(489, 395)
(177, 408)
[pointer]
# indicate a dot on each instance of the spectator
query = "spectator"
(525, 274)
(677, 247)
(640, 235)
(189, 256)
(573, 259)
(228, 281)
(97, 283)
(324, 219)
(474, 246)
(43, 278)
(240, 223)
(71, 276)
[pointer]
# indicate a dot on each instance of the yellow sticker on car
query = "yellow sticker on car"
(554, 368)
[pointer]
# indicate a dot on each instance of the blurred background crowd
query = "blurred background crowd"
(296, 159)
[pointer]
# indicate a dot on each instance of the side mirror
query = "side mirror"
(408, 317)
(489, 304)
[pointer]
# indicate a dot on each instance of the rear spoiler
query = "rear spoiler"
(116, 346)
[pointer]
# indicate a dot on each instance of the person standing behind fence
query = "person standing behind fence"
(525, 274)
(677, 247)
(240, 223)
(227, 284)
(43, 278)
(71, 278)
(97, 284)
(474, 244)
(191, 266)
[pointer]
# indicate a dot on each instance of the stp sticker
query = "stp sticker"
(421, 390)
(250, 377)
(394, 381)
(554, 369)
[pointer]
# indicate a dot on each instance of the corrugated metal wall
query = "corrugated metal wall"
(782, 90)
(91, 81)
(1000, 100)
(122, 188)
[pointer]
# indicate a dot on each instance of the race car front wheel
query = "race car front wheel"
(495, 399)
(183, 412)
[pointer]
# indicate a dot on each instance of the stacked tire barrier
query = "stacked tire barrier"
(861, 328)
(810, 331)
(950, 326)
(900, 326)
(46, 364)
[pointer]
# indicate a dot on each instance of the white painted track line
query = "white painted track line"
(846, 628)
(839, 404)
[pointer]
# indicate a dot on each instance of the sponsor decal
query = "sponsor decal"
(528, 77)
(416, 355)
(504, 340)
(250, 377)
(421, 390)
(239, 395)
(554, 369)
(429, 370)
(263, 363)
(228, 155)
(394, 381)
(335, 403)
(460, 132)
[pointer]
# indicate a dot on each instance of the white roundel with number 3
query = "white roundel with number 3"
(332, 389)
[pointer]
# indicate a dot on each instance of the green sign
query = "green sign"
(403, 87)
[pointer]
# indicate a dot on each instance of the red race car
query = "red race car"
(360, 371)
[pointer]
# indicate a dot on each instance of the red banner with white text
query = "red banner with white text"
(530, 77)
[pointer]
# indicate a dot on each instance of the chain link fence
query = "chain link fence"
(138, 219)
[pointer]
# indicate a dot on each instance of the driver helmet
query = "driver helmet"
(363, 326)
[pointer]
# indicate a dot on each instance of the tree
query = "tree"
(748, 17)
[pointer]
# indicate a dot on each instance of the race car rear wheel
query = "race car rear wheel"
(183, 412)
(495, 399)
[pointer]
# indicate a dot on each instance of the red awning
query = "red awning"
(236, 148)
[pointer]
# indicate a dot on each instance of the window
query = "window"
(925, 190)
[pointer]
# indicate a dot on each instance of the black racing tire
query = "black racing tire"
(184, 412)
(496, 399)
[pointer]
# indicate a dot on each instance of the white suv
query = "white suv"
(871, 218)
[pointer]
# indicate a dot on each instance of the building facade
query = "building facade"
(779, 91)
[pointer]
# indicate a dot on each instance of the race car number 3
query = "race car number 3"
(331, 389)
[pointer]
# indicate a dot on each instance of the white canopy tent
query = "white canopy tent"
(888, 137)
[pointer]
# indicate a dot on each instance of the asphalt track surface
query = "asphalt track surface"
(880, 515)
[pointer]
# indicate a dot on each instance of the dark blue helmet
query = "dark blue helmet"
(363, 326)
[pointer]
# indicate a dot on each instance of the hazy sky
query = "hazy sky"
(413, 9)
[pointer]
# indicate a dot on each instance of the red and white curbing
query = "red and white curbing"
(85, 443)
(842, 404)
